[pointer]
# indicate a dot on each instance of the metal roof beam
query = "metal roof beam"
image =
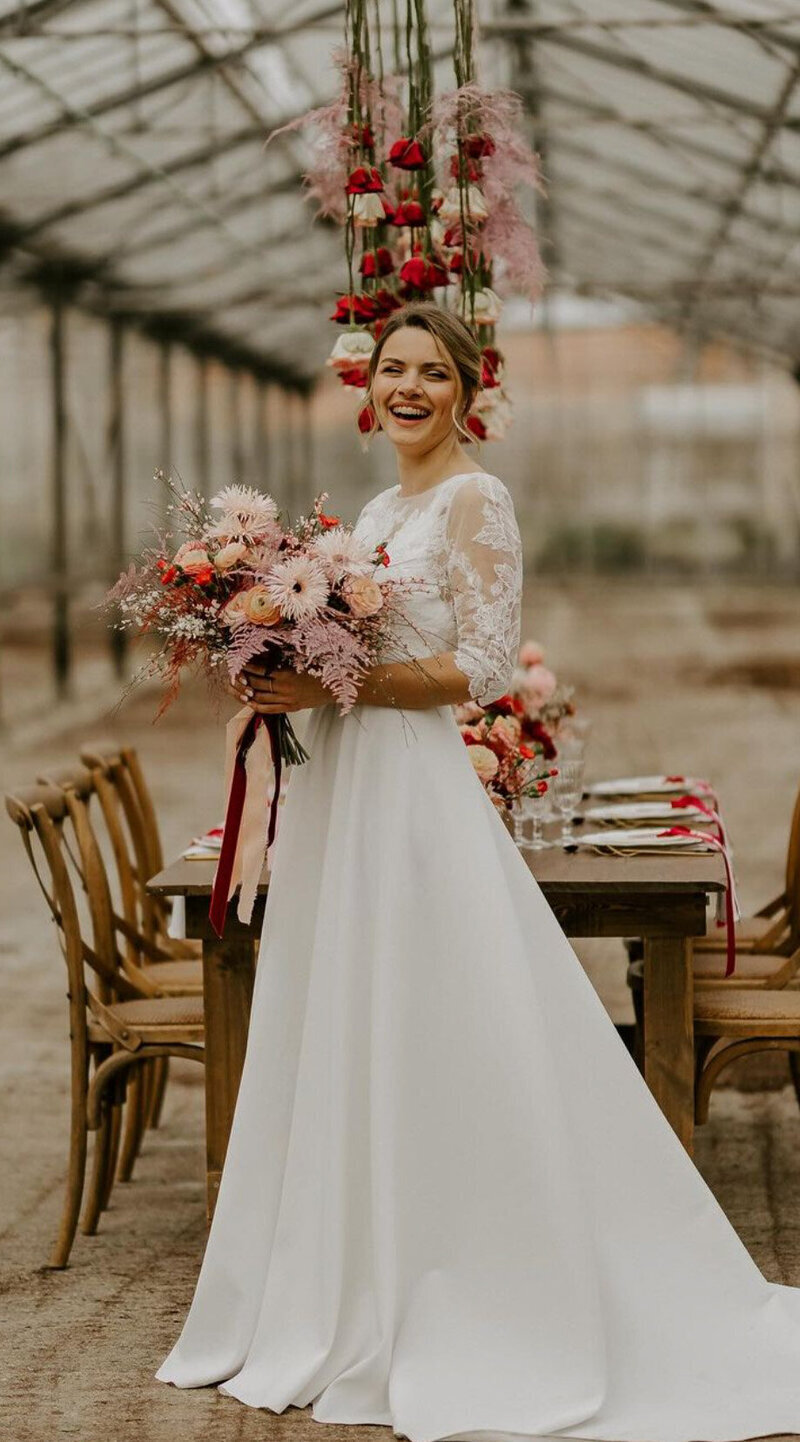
(635, 65)
(749, 25)
(143, 89)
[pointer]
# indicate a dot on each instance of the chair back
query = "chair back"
(793, 873)
(131, 821)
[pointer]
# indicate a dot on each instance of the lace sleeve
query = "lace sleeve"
(484, 568)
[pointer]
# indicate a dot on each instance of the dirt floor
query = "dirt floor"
(674, 678)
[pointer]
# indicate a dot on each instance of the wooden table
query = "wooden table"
(660, 898)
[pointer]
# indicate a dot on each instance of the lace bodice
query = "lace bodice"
(459, 540)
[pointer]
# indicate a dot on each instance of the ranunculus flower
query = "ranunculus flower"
(235, 609)
(353, 347)
(409, 212)
(484, 761)
(260, 608)
(364, 180)
(191, 558)
(530, 653)
(363, 595)
(377, 262)
(230, 555)
(407, 154)
(368, 210)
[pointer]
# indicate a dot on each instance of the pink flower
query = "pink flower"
(537, 687)
(473, 735)
(235, 609)
(530, 653)
(230, 555)
(468, 712)
(505, 733)
(299, 587)
(484, 761)
(259, 607)
(191, 558)
(363, 595)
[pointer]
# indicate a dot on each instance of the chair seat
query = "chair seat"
(176, 978)
(753, 970)
(748, 931)
(157, 1019)
(724, 1011)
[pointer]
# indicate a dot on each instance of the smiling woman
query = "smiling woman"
(424, 374)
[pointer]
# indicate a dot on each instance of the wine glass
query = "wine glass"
(536, 809)
(567, 792)
(518, 818)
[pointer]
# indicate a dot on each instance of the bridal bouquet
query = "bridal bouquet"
(233, 584)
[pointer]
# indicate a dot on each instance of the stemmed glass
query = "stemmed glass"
(567, 792)
(518, 818)
(536, 809)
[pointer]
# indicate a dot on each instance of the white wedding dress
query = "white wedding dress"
(450, 1204)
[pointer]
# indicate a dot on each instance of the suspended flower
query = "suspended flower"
(456, 262)
(355, 376)
(488, 307)
(491, 367)
(358, 309)
(376, 262)
(407, 154)
(351, 348)
(469, 169)
(366, 420)
(360, 137)
(474, 202)
(475, 426)
(364, 180)
(368, 210)
(436, 199)
(409, 212)
(384, 303)
(420, 273)
(477, 147)
(298, 587)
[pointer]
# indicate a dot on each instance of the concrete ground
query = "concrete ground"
(674, 678)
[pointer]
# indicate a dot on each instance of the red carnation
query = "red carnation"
(478, 146)
(328, 522)
(358, 308)
(475, 426)
(366, 420)
(407, 154)
(204, 577)
(409, 212)
(364, 180)
(377, 262)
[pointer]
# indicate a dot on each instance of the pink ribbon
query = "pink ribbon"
(241, 856)
(731, 902)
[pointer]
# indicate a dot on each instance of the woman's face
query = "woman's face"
(414, 390)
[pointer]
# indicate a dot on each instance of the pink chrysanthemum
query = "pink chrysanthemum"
(343, 554)
(299, 587)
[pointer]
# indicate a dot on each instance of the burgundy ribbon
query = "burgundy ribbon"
(220, 891)
(714, 841)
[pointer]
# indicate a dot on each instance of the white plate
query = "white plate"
(636, 785)
(635, 837)
(645, 811)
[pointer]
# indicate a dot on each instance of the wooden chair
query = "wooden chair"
(121, 767)
(730, 1023)
(115, 1030)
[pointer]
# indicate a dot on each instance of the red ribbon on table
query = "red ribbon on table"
(731, 903)
(220, 891)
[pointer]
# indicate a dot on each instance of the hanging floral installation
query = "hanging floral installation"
(425, 190)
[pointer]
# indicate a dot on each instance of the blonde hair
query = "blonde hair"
(453, 336)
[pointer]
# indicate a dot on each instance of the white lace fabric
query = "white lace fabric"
(460, 539)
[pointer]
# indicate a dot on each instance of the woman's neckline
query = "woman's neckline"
(417, 495)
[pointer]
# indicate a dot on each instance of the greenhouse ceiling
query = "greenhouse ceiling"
(134, 174)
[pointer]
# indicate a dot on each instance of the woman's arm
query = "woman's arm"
(410, 686)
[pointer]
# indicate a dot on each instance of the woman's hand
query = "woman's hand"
(271, 695)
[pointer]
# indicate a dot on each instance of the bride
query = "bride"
(450, 1204)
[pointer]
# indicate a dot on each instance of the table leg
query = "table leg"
(228, 974)
(669, 1030)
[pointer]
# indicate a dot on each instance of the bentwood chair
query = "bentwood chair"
(731, 1022)
(116, 1030)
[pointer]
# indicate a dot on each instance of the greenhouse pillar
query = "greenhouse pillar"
(165, 407)
(307, 451)
(262, 439)
(238, 476)
(202, 479)
(61, 639)
(116, 447)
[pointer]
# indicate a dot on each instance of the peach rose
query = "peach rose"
(530, 653)
(505, 733)
(191, 558)
(484, 761)
(363, 595)
(230, 555)
(260, 608)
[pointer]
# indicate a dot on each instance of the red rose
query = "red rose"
(384, 303)
(366, 420)
(491, 361)
(470, 170)
(542, 735)
(360, 308)
(377, 262)
(354, 376)
(504, 704)
(475, 426)
(416, 272)
(360, 135)
(409, 212)
(478, 146)
(364, 180)
(407, 154)
(457, 261)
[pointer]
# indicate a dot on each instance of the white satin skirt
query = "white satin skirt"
(450, 1204)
